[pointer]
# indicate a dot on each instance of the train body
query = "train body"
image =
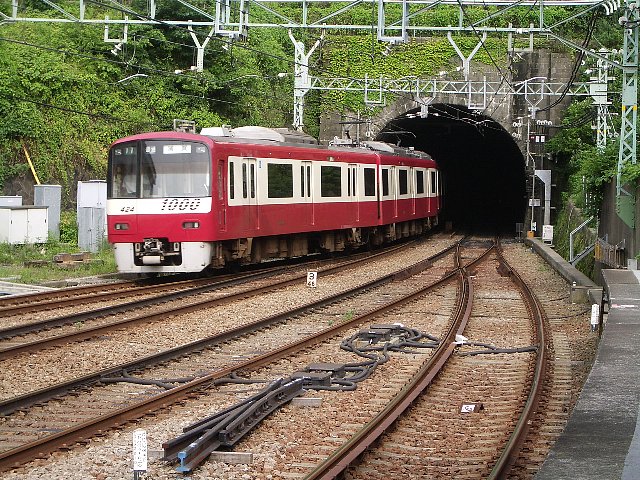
(183, 202)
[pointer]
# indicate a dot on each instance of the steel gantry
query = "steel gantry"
(394, 21)
(626, 201)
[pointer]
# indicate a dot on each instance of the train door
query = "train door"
(440, 191)
(352, 191)
(412, 189)
(433, 190)
(393, 184)
(306, 193)
(222, 197)
(388, 193)
(249, 191)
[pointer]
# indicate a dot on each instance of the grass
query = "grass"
(33, 264)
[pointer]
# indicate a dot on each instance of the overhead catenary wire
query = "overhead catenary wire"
(119, 7)
(95, 58)
(578, 62)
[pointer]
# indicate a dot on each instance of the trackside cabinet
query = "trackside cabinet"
(23, 224)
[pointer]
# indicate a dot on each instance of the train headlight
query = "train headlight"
(121, 226)
(190, 225)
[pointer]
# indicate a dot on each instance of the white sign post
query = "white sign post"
(312, 279)
(595, 316)
(139, 452)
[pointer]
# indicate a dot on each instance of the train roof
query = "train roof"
(262, 134)
(285, 136)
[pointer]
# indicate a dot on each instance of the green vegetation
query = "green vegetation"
(349, 315)
(579, 165)
(33, 264)
(568, 219)
(64, 96)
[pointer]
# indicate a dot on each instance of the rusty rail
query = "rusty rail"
(514, 445)
(39, 448)
(337, 463)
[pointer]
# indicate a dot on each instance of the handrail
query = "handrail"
(573, 232)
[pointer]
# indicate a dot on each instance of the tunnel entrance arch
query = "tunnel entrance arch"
(483, 168)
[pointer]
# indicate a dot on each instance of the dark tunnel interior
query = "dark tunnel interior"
(483, 169)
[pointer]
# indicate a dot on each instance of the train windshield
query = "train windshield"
(159, 168)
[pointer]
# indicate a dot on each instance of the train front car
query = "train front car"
(159, 203)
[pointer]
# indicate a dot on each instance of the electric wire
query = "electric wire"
(55, 107)
(117, 62)
(495, 64)
(254, 50)
(120, 8)
(577, 64)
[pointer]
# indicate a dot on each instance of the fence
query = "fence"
(614, 256)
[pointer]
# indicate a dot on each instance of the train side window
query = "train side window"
(385, 182)
(279, 180)
(419, 182)
(403, 182)
(302, 181)
(252, 178)
(354, 179)
(434, 187)
(232, 179)
(330, 181)
(220, 167)
(244, 180)
(369, 175)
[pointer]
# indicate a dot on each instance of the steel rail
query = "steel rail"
(20, 298)
(42, 297)
(29, 399)
(100, 313)
(153, 301)
(514, 445)
(74, 296)
(20, 455)
(342, 458)
(47, 300)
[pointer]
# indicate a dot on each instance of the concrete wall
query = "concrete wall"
(614, 227)
(524, 65)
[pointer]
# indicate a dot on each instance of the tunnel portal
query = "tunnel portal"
(483, 169)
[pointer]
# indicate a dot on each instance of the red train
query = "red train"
(183, 202)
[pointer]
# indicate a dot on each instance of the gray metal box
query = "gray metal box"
(91, 228)
(11, 201)
(50, 196)
(25, 224)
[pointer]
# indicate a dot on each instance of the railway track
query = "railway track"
(29, 400)
(27, 336)
(480, 425)
(255, 360)
(13, 309)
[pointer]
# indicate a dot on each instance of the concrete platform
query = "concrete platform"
(9, 288)
(602, 437)
(583, 289)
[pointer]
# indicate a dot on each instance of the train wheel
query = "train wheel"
(232, 266)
